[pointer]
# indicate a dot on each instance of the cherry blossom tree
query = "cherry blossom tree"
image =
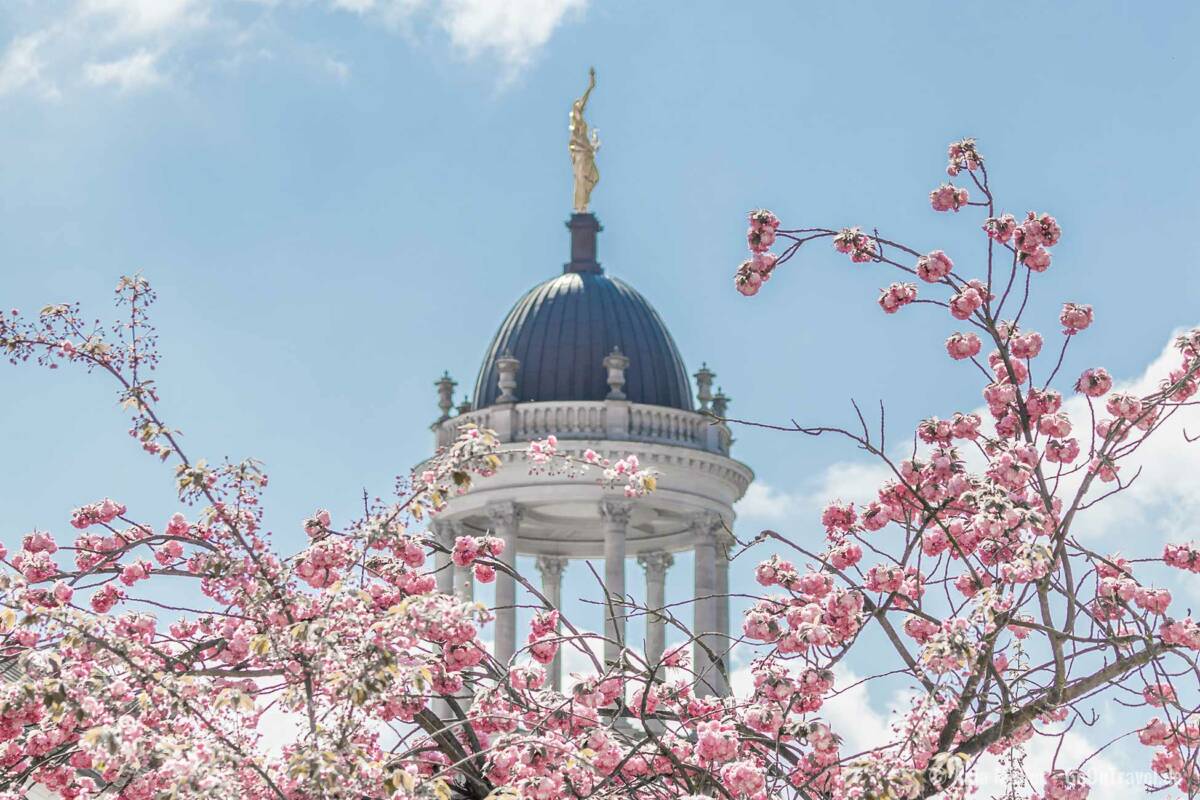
(965, 572)
(988, 517)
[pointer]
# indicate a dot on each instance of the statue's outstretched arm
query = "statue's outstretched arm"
(591, 85)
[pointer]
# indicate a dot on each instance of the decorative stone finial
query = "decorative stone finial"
(616, 364)
(445, 387)
(704, 378)
(465, 407)
(507, 366)
(720, 403)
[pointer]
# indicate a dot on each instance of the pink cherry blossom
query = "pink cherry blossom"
(856, 244)
(1001, 228)
(1094, 382)
(1075, 318)
(896, 296)
(963, 345)
(948, 198)
(933, 267)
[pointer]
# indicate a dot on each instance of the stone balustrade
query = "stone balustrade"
(617, 420)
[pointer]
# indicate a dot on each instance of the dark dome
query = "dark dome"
(562, 329)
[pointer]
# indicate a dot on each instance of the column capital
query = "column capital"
(441, 530)
(614, 510)
(504, 512)
(656, 563)
(552, 567)
(708, 524)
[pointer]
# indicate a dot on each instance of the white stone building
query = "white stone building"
(583, 356)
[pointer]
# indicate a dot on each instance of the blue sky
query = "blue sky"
(339, 199)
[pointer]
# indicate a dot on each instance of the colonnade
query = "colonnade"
(709, 541)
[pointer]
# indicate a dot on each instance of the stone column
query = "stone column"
(725, 544)
(704, 625)
(441, 532)
(552, 568)
(656, 564)
(505, 520)
(464, 579)
(615, 516)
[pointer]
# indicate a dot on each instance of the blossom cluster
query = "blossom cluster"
(544, 455)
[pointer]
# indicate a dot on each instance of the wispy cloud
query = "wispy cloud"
(136, 71)
(98, 43)
(765, 503)
(1162, 504)
(337, 68)
(141, 18)
(511, 32)
(21, 67)
(127, 45)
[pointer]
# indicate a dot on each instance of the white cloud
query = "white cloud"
(140, 18)
(847, 481)
(764, 502)
(97, 43)
(513, 30)
(338, 69)
(22, 66)
(1162, 505)
(379, 6)
(509, 31)
(136, 71)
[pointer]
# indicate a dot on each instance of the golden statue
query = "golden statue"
(583, 150)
